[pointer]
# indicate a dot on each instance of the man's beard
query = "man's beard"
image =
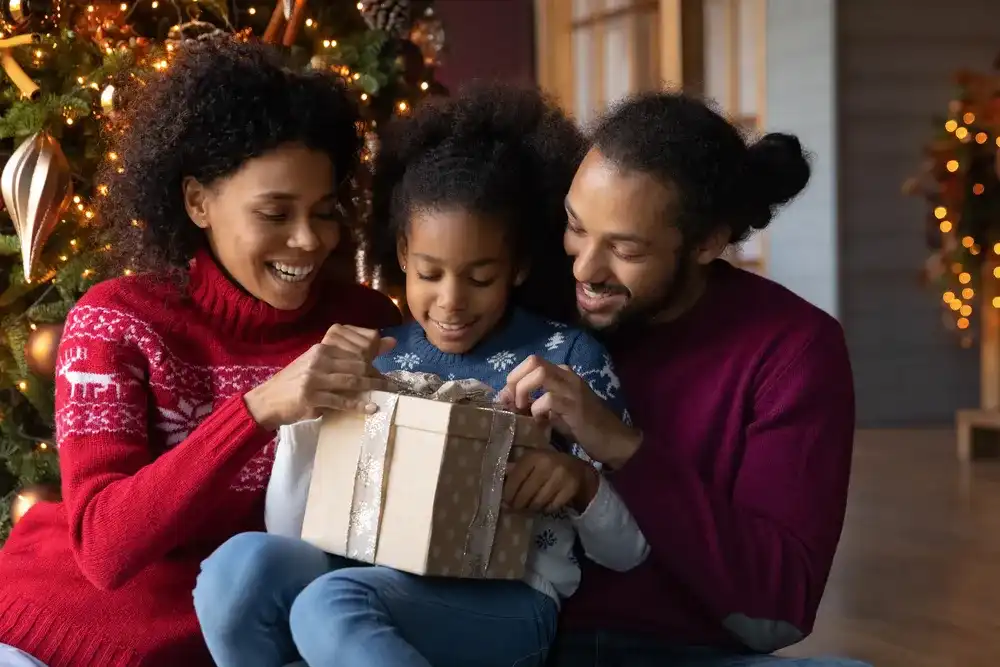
(635, 317)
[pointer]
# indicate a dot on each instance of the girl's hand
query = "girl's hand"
(546, 481)
(328, 376)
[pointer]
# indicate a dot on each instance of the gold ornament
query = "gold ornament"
(18, 77)
(29, 496)
(36, 187)
(108, 99)
(41, 349)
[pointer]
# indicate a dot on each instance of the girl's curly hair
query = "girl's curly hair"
(498, 151)
(222, 102)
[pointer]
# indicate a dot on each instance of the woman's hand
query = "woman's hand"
(546, 481)
(328, 376)
(572, 407)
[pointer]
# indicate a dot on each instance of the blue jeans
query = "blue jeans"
(12, 657)
(607, 649)
(267, 601)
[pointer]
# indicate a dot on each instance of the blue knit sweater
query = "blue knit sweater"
(552, 565)
(519, 336)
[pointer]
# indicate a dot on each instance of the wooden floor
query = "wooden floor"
(917, 578)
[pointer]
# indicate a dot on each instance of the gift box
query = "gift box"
(418, 485)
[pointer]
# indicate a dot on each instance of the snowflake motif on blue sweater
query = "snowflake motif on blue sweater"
(604, 381)
(407, 361)
(501, 361)
(545, 540)
(554, 341)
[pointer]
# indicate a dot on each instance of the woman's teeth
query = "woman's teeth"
(291, 273)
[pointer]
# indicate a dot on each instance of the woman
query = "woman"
(171, 384)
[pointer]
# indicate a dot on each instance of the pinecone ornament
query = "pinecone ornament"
(389, 16)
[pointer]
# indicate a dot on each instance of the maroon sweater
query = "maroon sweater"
(747, 408)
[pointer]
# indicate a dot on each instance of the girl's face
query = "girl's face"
(272, 223)
(459, 273)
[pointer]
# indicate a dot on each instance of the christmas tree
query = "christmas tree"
(67, 66)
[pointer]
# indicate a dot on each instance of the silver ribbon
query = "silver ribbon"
(482, 530)
(370, 480)
(376, 453)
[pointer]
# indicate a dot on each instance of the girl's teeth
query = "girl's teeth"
(451, 327)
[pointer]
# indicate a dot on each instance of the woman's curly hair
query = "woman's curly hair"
(222, 101)
(498, 151)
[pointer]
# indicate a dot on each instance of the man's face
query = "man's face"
(627, 253)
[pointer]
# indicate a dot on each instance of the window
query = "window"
(591, 53)
(606, 49)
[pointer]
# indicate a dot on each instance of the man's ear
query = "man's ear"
(712, 247)
(196, 201)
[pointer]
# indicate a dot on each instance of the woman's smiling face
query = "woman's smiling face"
(272, 223)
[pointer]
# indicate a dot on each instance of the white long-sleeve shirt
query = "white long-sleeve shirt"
(606, 530)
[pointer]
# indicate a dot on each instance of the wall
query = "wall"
(896, 60)
(487, 39)
(801, 99)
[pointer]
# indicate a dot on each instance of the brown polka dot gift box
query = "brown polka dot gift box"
(417, 486)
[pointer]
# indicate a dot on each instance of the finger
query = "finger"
(355, 366)
(329, 401)
(374, 382)
(330, 356)
(563, 497)
(385, 345)
(362, 338)
(517, 472)
(372, 341)
(350, 383)
(548, 378)
(547, 493)
(368, 334)
(345, 348)
(333, 360)
(333, 332)
(542, 408)
(530, 488)
(524, 369)
(544, 378)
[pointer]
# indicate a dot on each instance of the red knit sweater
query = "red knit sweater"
(161, 463)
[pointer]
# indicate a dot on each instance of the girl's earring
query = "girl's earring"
(403, 268)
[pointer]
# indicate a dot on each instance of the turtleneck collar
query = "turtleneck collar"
(236, 312)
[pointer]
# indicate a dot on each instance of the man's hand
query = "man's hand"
(546, 481)
(573, 408)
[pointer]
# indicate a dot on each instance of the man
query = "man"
(740, 392)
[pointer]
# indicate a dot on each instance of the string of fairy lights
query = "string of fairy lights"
(82, 210)
(962, 253)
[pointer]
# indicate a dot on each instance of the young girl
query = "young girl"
(469, 198)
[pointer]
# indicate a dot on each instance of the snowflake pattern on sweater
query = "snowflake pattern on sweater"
(519, 337)
(115, 402)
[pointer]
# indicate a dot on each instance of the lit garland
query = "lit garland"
(961, 185)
